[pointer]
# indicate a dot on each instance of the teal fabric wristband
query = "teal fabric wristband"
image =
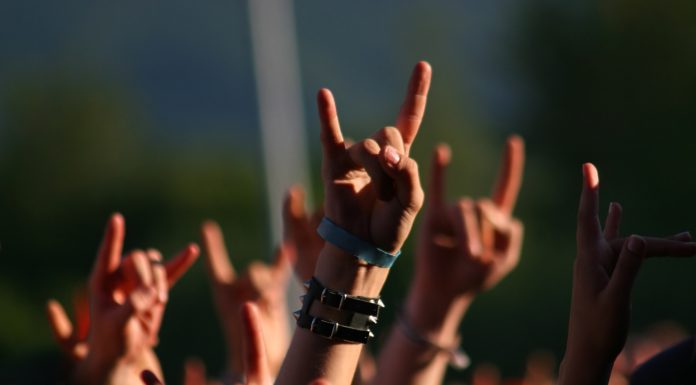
(357, 247)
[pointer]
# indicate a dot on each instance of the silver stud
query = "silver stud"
(296, 314)
(380, 303)
(372, 319)
(371, 335)
(306, 284)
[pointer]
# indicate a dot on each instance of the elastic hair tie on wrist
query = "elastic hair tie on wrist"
(458, 359)
(357, 247)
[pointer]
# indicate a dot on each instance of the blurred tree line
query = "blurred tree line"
(609, 82)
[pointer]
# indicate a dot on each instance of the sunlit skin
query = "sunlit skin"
(115, 337)
(304, 245)
(463, 248)
(604, 272)
(261, 283)
(372, 190)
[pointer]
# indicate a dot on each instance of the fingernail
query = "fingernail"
(149, 378)
(392, 156)
(684, 235)
(636, 244)
(163, 295)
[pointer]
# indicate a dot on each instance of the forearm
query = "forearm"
(579, 369)
(406, 361)
(311, 356)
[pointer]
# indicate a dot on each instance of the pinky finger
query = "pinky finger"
(177, 266)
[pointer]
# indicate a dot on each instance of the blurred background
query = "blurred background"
(151, 109)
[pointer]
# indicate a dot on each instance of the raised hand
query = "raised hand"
(372, 192)
(469, 246)
(604, 271)
(126, 301)
(355, 177)
(372, 188)
(300, 232)
(462, 249)
(263, 284)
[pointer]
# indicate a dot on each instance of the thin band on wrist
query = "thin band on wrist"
(359, 248)
(458, 359)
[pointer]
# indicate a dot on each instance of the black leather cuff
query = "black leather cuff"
(342, 301)
(333, 330)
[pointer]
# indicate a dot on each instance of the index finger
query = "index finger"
(589, 229)
(441, 158)
(413, 107)
(109, 255)
(510, 177)
(217, 260)
(331, 136)
(293, 211)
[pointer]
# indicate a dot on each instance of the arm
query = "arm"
(603, 275)
(117, 328)
(372, 190)
(462, 250)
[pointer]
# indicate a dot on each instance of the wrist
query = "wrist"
(437, 320)
(339, 270)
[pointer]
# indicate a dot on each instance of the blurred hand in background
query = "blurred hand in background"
(605, 269)
(462, 249)
(114, 340)
(300, 232)
(264, 285)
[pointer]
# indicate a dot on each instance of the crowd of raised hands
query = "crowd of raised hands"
(342, 253)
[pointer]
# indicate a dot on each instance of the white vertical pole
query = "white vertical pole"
(276, 66)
